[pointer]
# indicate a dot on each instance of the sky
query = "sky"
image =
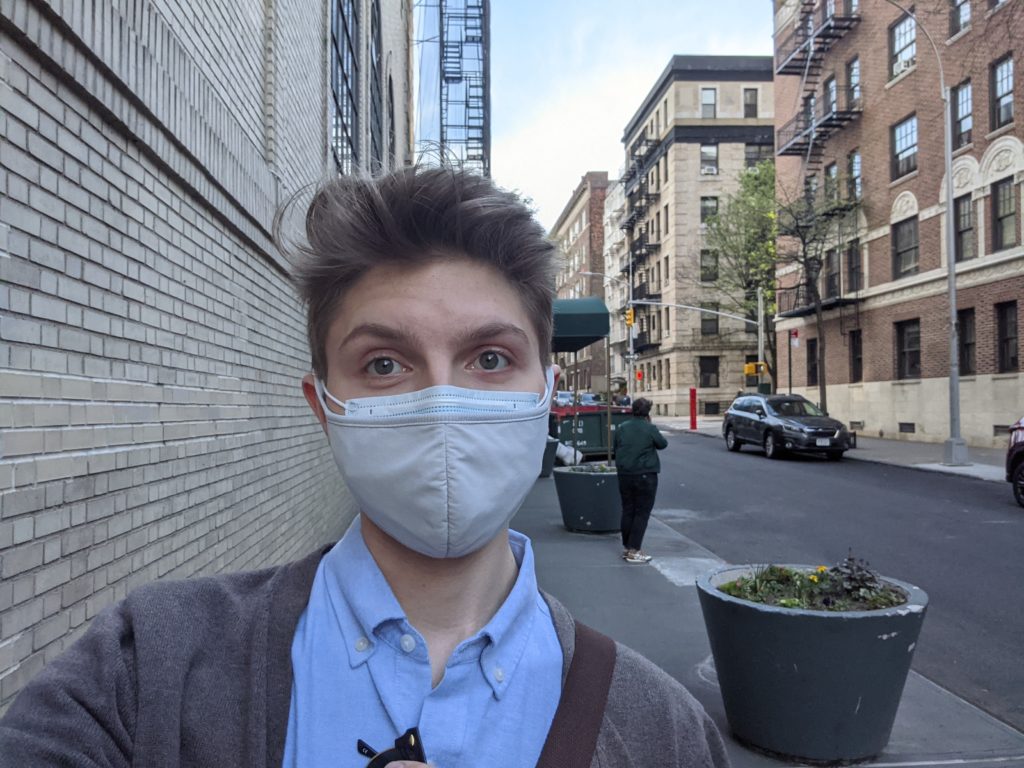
(567, 75)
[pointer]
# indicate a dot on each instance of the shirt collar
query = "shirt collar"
(363, 602)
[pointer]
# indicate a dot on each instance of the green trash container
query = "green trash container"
(591, 431)
(549, 457)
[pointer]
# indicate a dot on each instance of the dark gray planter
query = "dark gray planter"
(813, 685)
(549, 457)
(589, 500)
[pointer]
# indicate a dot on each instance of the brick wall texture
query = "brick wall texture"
(151, 347)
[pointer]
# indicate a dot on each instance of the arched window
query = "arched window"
(376, 91)
(344, 103)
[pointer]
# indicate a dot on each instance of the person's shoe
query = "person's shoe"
(626, 553)
(638, 557)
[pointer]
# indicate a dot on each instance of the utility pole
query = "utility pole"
(760, 334)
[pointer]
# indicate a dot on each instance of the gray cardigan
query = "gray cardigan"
(198, 673)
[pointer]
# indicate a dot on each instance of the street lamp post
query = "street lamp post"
(955, 452)
(629, 331)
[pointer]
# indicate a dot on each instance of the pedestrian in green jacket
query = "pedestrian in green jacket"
(637, 443)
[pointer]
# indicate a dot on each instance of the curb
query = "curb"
(852, 456)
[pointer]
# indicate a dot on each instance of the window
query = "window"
(708, 367)
(965, 341)
(664, 174)
(376, 90)
(750, 102)
(1004, 214)
(993, 4)
(665, 211)
(709, 322)
(854, 274)
(1002, 92)
(392, 149)
(902, 45)
(853, 80)
(962, 118)
(903, 138)
(344, 100)
(832, 182)
(708, 102)
(708, 266)
(908, 349)
(963, 224)
(812, 362)
(1006, 337)
(904, 248)
(831, 273)
(856, 341)
(755, 153)
(831, 96)
(959, 16)
(708, 208)
(853, 165)
(709, 159)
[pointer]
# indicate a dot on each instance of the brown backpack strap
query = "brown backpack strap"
(573, 735)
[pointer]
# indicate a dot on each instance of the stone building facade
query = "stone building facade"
(704, 121)
(579, 235)
(151, 421)
(871, 100)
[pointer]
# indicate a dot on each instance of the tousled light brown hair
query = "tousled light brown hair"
(412, 216)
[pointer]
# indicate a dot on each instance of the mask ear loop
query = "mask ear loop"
(324, 395)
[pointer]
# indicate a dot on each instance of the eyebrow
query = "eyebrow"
(465, 337)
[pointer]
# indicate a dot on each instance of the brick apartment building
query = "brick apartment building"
(859, 113)
(579, 235)
(152, 346)
(704, 121)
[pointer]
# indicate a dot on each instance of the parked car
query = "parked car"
(562, 399)
(1015, 460)
(589, 398)
(780, 423)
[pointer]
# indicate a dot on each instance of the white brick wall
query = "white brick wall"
(151, 346)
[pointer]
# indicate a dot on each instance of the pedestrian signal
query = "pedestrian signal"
(630, 316)
(754, 369)
(639, 375)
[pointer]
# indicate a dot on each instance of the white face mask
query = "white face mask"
(441, 470)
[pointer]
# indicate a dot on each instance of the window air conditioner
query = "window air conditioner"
(708, 170)
(901, 66)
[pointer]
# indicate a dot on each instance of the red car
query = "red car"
(1015, 461)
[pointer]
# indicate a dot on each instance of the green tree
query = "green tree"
(743, 236)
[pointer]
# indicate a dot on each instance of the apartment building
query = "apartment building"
(152, 345)
(704, 121)
(579, 235)
(860, 118)
(616, 286)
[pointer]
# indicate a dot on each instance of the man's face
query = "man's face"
(451, 321)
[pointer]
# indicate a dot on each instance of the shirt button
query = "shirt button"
(362, 644)
(408, 643)
(499, 674)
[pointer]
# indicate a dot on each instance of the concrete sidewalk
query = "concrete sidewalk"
(986, 463)
(655, 610)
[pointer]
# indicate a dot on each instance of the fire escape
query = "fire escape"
(640, 243)
(826, 107)
(465, 75)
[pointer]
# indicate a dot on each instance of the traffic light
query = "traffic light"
(754, 369)
(630, 316)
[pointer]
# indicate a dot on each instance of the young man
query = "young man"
(429, 295)
(637, 443)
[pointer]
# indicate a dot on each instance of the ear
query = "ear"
(309, 391)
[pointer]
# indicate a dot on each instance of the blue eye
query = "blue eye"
(492, 361)
(384, 366)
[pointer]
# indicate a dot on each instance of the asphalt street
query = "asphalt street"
(961, 540)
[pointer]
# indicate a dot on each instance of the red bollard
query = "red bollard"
(693, 408)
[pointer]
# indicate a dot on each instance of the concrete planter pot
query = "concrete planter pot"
(815, 685)
(589, 500)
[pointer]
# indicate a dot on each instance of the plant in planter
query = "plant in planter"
(588, 495)
(811, 661)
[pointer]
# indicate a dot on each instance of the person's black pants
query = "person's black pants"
(637, 493)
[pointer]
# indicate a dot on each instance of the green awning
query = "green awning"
(579, 323)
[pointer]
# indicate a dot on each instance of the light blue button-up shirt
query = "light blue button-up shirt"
(361, 671)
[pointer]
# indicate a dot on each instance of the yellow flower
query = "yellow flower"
(822, 568)
(813, 578)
